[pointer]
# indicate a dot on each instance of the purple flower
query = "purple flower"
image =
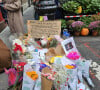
(94, 25)
(77, 25)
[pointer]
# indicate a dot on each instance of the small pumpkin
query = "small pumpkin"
(85, 31)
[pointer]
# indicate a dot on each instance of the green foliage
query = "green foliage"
(53, 43)
(71, 6)
(69, 22)
(90, 6)
(86, 20)
(63, 23)
(95, 18)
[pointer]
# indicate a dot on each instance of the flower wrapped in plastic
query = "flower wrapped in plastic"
(73, 55)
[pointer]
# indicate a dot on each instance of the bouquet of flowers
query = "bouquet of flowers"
(15, 74)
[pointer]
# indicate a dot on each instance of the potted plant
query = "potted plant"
(77, 27)
(95, 27)
(63, 24)
(85, 30)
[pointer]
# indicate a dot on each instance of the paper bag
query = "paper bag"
(59, 50)
(46, 84)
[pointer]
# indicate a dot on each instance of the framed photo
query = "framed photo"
(69, 45)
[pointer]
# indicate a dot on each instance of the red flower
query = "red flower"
(20, 66)
(58, 81)
(18, 47)
(39, 43)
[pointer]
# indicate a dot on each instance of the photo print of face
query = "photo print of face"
(68, 46)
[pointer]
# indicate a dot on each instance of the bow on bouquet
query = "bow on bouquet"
(15, 74)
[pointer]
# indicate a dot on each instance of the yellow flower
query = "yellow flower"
(49, 39)
(52, 60)
(59, 56)
(69, 66)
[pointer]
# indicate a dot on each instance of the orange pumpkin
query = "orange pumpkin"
(85, 31)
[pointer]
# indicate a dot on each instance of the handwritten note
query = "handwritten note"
(37, 29)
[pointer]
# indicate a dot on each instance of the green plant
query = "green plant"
(71, 6)
(90, 6)
(95, 18)
(69, 22)
(63, 23)
(86, 20)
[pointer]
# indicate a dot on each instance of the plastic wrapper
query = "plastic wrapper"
(29, 83)
(64, 87)
(73, 80)
(80, 86)
(85, 73)
(80, 76)
(80, 65)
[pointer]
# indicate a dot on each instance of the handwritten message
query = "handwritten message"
(37, 29)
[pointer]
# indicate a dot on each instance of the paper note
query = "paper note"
(38, 29)
(41, 18)
(45, 18)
